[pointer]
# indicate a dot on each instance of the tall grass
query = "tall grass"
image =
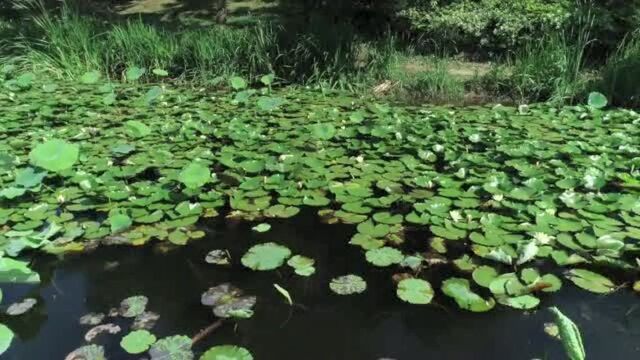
(621, 74)
(68, 44)
(548, 69)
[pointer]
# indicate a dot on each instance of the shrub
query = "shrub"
(621, 75)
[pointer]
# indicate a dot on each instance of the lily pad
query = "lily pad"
(87, 352)
(384, 256)
(54, 155)
(137, 342)
(268, 256)
(348, 285)
(133, 306)
(228, 301)
(177, 347)
(302, 265)
(590, 281)
(195, 175)
(264, 227)
(218, 257)
(6, 336)
(227, 352)
(460, 290)
(415, 291)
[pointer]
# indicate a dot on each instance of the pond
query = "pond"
(355, 228)
(320, 325)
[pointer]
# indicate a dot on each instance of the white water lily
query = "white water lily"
(542, 238)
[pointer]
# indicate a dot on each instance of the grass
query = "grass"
(621, 75)
(67, 44)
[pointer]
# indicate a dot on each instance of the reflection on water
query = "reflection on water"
(321, 326)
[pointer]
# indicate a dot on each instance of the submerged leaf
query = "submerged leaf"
(348, 285)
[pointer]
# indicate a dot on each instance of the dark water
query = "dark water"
(323, 326)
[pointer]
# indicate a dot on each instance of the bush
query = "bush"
(487, 25)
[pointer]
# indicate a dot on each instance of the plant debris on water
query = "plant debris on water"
(500, 193)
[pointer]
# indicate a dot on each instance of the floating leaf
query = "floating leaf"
(137, 128)
(384, 256)
(99, 329)
(16, 271)
(591, 281)
(460, 290)
(228, 301)
(137, 342)
(484, 275)
(264, 227)
(54, 155)
(268, 256)
(119, 223)
(218, 257)
(91, 319)
(323, 131)
(6, 336)
(415, 291)
(133, 306)
(227, 352)
(195, 175)
(302, 265)
(87, 352)
(348, 285)
(177, 347)
(160, 72)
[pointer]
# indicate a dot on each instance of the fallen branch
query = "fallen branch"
(206, 331)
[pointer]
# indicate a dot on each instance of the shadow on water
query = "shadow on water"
(321, 326)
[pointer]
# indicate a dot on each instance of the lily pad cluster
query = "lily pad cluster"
(539, 187)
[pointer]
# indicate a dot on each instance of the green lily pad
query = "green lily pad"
(134, 73)
(591, 281)
(268, 256)
(375, 231)
(415, 291)
(119, 222)
(597, 100)
(137, 342)
(6, 337)
(460, 290)
(227, 352)
(264, 227)
(195, 175)
(384, 256)
(54, 155)
(90, 77)
(484, 275)
(302, 265)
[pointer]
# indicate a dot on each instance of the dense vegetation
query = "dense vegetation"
(134, 130)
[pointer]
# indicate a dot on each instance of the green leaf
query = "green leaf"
(323, 131)
(597, 100)
(119, 222)
(302, 265)
(90, 77)
(375, 231)
(591, 281)
(268, 79)
(415, 291)
(6, 336)
(348, 285)
(384, 256)
(268, 256)
(133, 306)
(484, 275)
(194, 175)
(137, 342)
(134, 73)
(160, 72)
(266, 103)
(54, 155)
(227, 352)
(29, 177)
(238, 83)
(284, 293)
(570, 335)
(264, 227)
(137, 129)
(177, 347)
(460, 290)
(16, 271)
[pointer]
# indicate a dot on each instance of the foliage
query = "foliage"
(621, 73)
(227, 352)
(570, 335)
(137, 342)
